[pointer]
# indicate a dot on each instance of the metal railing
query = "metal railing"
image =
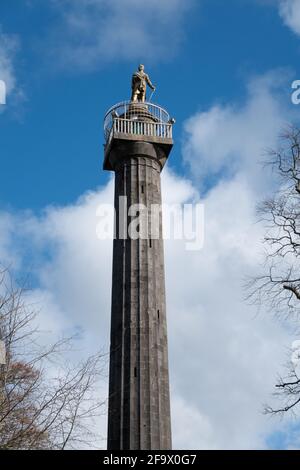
(149, 129)
(138, 119)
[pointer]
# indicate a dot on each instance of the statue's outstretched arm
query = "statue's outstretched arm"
(149, 82)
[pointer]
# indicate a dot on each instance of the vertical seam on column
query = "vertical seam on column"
(139, 311)
(158, 294)
(163, 336)
(149, 253)
(123, 317)
(150, 330)
(167, 435)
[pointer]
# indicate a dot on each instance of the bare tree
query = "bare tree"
(46, 402)
(278, 287)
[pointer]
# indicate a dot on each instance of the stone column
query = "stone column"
(139, 403)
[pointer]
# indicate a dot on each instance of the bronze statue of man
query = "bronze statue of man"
(139, 83)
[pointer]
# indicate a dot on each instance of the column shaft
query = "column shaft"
(139, 404)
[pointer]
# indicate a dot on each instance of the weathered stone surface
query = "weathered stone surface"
(139, 403)
(123, 144)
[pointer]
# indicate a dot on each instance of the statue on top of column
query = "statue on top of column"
(139, 83)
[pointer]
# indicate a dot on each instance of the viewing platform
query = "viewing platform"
(137, 121)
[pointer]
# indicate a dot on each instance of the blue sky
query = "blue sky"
(224, 71)
(52, 139)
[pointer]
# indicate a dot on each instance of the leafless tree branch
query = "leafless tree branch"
(278, 287)
(39, 409)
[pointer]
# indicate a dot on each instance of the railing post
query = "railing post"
(151, 129)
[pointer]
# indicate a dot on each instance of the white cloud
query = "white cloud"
(290, 12)
(237, 355)
(94, 31)
(228, 139)
(193, 428)
(7, 253)
(224, 359)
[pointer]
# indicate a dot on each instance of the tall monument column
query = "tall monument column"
(138, 139)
